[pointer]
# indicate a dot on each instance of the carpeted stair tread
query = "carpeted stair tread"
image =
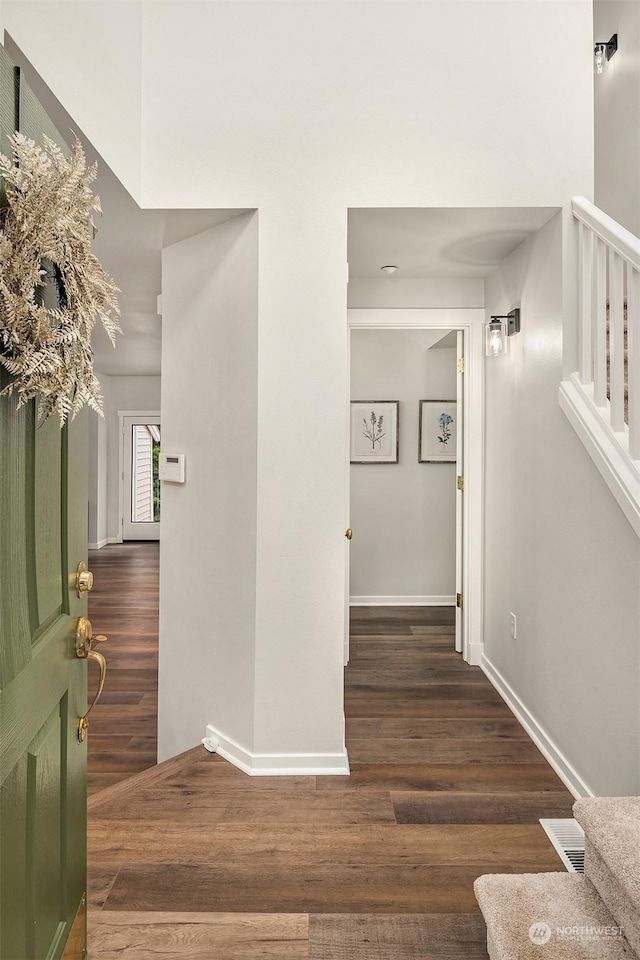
(514, 905)
(612, 856)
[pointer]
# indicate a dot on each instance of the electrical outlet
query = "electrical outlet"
(512, 624)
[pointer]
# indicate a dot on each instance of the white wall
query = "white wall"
(98, 478)
(403, 515)
(559, 552)
(208, 544)
(304, 110)
(395, 292)
(92, 61)
(120, 393)
(617, 114)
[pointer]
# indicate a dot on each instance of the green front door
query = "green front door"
(43, 515)
(43, 537)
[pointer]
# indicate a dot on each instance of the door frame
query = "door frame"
(471, 323)
(151, 414)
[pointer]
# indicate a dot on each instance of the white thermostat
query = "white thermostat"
(171, 467)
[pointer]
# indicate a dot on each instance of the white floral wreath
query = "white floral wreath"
(46, 228)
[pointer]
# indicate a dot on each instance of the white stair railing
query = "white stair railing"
(602, 397)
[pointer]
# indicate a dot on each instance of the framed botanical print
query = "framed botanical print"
(437, 431)
(374, 431)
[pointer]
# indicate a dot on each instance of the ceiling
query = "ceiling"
(437, 242)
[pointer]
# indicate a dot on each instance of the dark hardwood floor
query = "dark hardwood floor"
(194, 859)
(123, 605)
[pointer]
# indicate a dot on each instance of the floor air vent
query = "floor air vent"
(567, 836)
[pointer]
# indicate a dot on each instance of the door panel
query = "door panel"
(43, 687)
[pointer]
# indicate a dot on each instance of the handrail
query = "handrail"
(625, 243)
(601, 396)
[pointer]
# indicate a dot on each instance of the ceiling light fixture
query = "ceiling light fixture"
(389, 269)
(604, 51)
(498, 330)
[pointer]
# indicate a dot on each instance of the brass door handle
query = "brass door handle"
(348, 533)
(84, 641)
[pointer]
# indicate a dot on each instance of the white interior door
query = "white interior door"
(459, 491)
(348, 532)
(140, 480)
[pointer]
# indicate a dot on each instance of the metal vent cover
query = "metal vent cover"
(567, 836)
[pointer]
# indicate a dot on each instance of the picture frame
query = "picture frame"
(374, 431)
(437, 429)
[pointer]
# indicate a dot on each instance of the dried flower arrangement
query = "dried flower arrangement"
(46, 228)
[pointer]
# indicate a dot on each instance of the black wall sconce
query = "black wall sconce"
(497, 331)
(604, 51)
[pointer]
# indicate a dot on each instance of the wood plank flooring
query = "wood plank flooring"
(123, 605)
(193, 859)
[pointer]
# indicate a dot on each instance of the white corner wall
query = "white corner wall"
(208, 543)
(403, 515)
(98, 477)
(327, 106)
(617, 114)
(558, 552)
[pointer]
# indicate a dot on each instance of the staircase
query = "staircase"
(566, 916)
(600, 392)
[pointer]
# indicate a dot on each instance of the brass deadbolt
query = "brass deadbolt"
(84, 579)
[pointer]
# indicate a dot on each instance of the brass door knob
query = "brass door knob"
(348, 533)
(84, 579)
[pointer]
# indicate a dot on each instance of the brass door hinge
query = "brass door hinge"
(459, 600)
(460, 483)
(461, 365)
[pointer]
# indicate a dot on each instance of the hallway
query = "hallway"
(195, 859)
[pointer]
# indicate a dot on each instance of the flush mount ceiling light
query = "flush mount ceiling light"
(389, 269)
(498, 330)
(604, 51)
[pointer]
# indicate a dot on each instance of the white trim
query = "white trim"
(276, 764)
(103, 543)
(403, 601)
(569, 776)
(618, 470)
(99, 545)
(471, 323)
(625, 243)
(475, 653)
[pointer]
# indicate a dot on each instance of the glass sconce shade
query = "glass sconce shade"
(496, 342)
(600, 53)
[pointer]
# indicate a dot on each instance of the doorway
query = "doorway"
(139, 475)
(464, 329)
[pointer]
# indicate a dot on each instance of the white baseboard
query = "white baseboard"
(276, 764)
(102, 543)
(403, 601)
(571, 779)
